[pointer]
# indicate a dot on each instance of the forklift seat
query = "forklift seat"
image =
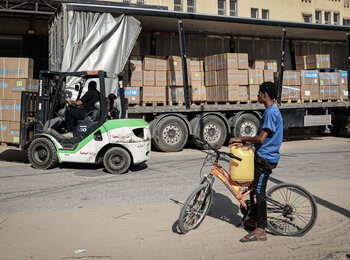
(93, 115)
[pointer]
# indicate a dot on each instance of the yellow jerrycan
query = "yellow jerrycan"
(242, 171)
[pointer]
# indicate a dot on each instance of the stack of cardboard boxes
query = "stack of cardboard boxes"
(343, 87)
(16, 75)
(291, 85)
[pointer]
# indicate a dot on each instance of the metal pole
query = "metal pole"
(280, 76)
(184, 64)
(348, 56)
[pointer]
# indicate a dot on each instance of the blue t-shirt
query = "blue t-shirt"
(272, 123)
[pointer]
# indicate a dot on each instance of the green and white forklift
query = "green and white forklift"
(118, 143)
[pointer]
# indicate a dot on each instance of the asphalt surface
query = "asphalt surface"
(167, 176)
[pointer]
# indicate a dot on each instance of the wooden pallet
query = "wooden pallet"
(289, 101)
(171, 103)
(152, 104)
(310, 100)
(199, 103)
(252, 101)
(329, 100)
(133, 105)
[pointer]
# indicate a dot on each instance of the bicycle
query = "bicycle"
(291, 209)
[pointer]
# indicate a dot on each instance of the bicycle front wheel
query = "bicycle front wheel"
(195, 208)
(291, 210)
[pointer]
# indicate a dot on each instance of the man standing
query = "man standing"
(88, 100)
(267, 144)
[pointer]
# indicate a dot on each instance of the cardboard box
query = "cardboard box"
(198, 93)
(136, 50)
(210, 63)
(136, 78)
(300, 63)
(16, 68)
(161, 63)
(133, 95)
(147, 94)
(149, 78)
(149, 63)
(195, 64)
(309, 77)
(271, 65)
(237, 93)
(4, 131)
(222, 93)
(174, 63)
(329, 92)
(269, 76)
(232, 77)
(291, 78)
(256, 77)
(343, 92)
(14, 132)
(329, 78)
(175, 78)
(290, 92)
(12, 88)
(227, 61)
(176, 94)
(318, 61)
(211, 93)
(242, 60)
(135, 63)
(196, 78)
(310, 92)
(160, 94)
(210, 78)
(258, 64)
(10, 110)
(343, 77)
(161, 78)
(253, 91)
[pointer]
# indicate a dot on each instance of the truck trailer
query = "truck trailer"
(166, 33)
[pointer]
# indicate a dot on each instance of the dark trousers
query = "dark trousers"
(73, 114)
(262, 171)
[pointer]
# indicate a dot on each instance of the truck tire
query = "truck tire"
(42, 154)
(117, 160)
(246, 126)
(213, 130)
(171, 134)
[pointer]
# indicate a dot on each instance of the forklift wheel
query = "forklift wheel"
(117, 160)
(42, 154)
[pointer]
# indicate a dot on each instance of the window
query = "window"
(222, 7)
(307, 18)
(265, 14)
(233, 7)
(254, 12)
(327, 17)
(191, 6)
(346, 22)
(141, 2)
(177, 5)
(126, 1)
(318, 16)
(336, 18)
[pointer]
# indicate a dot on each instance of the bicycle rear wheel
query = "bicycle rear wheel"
(195, 208)
(291, 210)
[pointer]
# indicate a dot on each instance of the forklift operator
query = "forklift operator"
(88, 100)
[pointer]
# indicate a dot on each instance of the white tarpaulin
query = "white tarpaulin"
(99, 42)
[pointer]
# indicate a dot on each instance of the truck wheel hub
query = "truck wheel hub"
(211, 133)
(248, 129)
(171, 134)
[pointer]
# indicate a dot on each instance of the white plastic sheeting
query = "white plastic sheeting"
(98, 42)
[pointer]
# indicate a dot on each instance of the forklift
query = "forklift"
(118, 143)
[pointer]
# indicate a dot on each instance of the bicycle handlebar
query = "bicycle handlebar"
(217, 151)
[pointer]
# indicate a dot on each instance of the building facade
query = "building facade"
(310, 11)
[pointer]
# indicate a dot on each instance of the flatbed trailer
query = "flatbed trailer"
(188, 34)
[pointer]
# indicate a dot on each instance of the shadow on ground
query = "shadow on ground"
(11, 155)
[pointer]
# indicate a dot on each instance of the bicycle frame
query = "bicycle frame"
(236, 188)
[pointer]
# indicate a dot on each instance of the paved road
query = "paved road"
(320, 164)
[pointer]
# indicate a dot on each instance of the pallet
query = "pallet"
(327, 70)
(171, 103)
(198, 103)
(133, 105)
(310, 100)
(152, 104)
(252, 101)
(289, 101)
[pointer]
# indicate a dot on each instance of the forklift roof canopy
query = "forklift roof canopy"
(166, 21)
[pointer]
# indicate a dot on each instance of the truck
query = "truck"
(198, 35)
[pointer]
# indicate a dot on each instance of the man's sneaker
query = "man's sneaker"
(68, 134)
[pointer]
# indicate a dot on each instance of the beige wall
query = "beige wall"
(286, 10)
